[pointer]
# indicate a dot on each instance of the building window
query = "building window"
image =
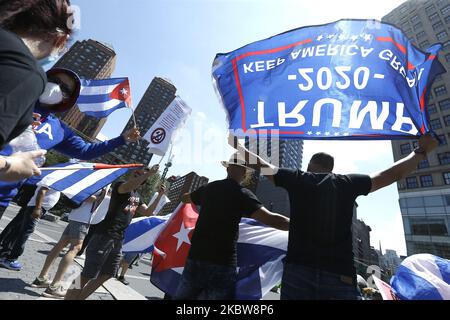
(435, 124)
(446, 44)
(444, 158)
(415, 19)
(442, 140)
(439, 91)
(423, 164)
(434, 17)
(430, 8)
(411, 183)
(444, 104)
(420, 35)
(445, 10)
(417, 26)
(426, 181)
(432, 109)
(424, 44)
(428, 226)
(438, 25)
(447, 120)
(446, 176)
(442, 35)
(405, 148)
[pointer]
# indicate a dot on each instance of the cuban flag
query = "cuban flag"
(142, 233)
(79, 184)
(350, 79)
(422, 277)
(260, 253)
(99, 98)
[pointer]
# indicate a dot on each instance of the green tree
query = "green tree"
(54, 157)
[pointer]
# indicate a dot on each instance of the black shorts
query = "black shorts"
(103, 256)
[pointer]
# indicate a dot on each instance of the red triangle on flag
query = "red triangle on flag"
(173, 244)
(122, 92)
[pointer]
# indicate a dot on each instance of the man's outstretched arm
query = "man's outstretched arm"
(271, 219)
(405, 166)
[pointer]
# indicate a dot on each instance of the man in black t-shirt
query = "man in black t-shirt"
(210, 272)
(319, 261)
(103, 255)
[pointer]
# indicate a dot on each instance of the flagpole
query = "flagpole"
(134, 121)
(96, 166)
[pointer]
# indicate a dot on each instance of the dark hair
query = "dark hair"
(324, 160)
(36, 17)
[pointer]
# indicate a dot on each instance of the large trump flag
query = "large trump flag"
(351, 79)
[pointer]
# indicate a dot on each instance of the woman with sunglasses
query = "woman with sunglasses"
(31, 32)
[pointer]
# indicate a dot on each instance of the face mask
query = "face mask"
(52, 94)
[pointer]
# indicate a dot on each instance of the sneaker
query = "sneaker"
(57, 292)
(123, 280)
(11, 264)
(41, 282)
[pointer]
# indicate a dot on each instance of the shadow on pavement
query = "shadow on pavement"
(17, 286)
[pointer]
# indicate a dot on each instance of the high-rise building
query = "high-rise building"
(361, 241)
(90, 59)
(156, 99)
(290, 154)
(390, 261)
(180, 186)
(424, 195)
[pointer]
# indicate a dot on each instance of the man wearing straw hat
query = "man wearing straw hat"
(210, 272)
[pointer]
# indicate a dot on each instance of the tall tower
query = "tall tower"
(424, 195)
(90, 59)
(156, 99)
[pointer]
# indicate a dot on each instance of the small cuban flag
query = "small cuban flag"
(99, 98)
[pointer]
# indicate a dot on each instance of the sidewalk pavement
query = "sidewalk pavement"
(16, 285)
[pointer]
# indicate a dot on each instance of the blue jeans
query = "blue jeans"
(206, 281)
(306, 283)
(16, 234)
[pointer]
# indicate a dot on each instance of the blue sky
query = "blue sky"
(178, 40)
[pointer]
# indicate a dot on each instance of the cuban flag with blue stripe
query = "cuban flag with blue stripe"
(99, 98)
(142, 233)
(422, 277)
(79, 184)
(260, 254)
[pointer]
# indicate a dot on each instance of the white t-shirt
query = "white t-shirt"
(83, 213)
(51, 198)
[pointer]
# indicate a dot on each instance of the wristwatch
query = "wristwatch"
(7, 165)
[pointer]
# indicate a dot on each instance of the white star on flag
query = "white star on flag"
(124, 92)
(319, 38)
(342, 36)
(330, 36)
(327, 133)
(336, 134)
(367, 37)
(318, 133)
(346, 134)
(182, 235)
(309, 133)
(354, 38)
